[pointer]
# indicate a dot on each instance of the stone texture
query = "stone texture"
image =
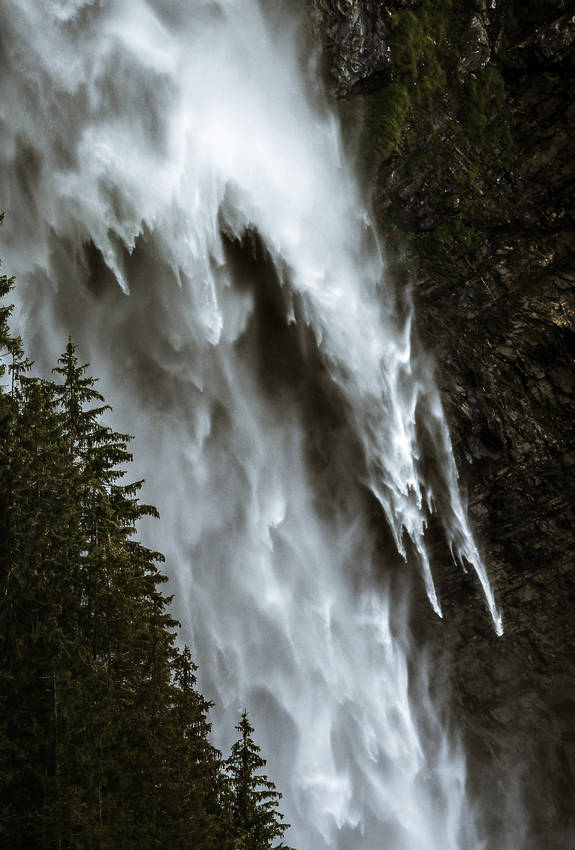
(476, 47)
(499, 318)
(355, 36)
(551, 45)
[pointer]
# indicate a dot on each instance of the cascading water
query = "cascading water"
(177, 199)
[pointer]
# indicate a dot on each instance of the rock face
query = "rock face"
(475, 198)
(551, 45)
(355, 36)
(475, 48)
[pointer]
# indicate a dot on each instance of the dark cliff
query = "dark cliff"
(467, 148)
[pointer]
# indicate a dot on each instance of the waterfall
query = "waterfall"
(177, 198)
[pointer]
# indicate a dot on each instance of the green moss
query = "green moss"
(417, 43)
(407, 44)
(429, 120)
(480, 97)
(422, 56)
(385, 116)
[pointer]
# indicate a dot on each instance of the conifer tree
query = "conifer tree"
(104, 737)
(160, 778)
(9, 348)
(257, 823)
(38, 610)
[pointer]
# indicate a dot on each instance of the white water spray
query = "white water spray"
(144, 143)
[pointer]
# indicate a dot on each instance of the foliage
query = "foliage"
(104, 737)
(481, 96)
(438, 138)
(256, 821)
(384, 115)
(424, 50)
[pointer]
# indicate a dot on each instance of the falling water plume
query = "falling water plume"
(179, 202)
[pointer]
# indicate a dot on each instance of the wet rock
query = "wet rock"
(551, 45)
(555, 43)
(354, 35)
(494, 282)
(476, 50)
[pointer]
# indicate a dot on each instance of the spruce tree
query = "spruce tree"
(257, 823)
(104, 737)
(38, 612)
(160, 780)
(10, 349)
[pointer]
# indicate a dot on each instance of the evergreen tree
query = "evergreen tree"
(257, 823)
(158, 768)
(160, 779)
(9, 349)
(104, 737)
(38, 611)
(97, 705)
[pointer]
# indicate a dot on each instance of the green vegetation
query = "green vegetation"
(104, 738)
(433, 124)
(254, 800)
(419, 48)
(481, 96)
(384, 115)
(424, 48)
(420, 57)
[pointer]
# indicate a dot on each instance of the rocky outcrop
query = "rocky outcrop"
(476, 201)
(354, 33)
(475, 48)
(551, 45)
